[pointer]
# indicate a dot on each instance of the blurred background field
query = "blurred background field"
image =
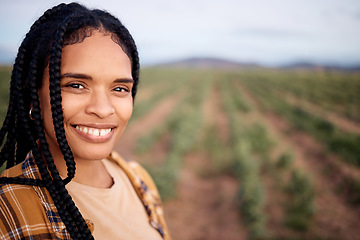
(266, 149)
(247, 152)
(251, 152)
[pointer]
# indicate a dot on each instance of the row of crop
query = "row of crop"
(299, 192)
(345, 145)
(246, 154)
(217, 148)
(244, 166)
(251, 154)
(184, 125)
(189, 98)
(337, 141)
(332, 90)
(163, 83)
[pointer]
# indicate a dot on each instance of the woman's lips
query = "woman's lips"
(93, 134)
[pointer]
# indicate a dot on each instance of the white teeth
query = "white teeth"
(95, 132)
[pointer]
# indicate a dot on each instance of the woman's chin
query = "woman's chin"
(92, 155)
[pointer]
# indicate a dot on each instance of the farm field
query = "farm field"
(248, 153)
(251, 153)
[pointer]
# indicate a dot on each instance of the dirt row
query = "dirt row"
(205, 207)
(139, 127)
(335, 218)
(336, 119)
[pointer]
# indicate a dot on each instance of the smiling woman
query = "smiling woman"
(76, 74)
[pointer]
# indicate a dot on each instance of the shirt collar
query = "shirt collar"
(30, 168)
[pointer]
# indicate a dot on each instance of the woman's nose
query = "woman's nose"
(100, 104)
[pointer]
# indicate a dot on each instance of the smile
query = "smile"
(94, 131)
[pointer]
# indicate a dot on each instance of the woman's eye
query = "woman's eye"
(121, 89)
(75, 85)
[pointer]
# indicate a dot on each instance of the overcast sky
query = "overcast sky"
(269, 32)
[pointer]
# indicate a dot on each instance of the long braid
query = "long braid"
(57, 114)
(46, 178)
(18, 92)
(55, 99)
(70, 215)
(17, 78)
(53, 182)
(25, 87)
(10, 122)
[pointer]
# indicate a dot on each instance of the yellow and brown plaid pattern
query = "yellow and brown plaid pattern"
(28, 212)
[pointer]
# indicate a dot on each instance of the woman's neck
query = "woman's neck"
(91, 173)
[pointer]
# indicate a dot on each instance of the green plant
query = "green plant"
(218, 152)
(285, 160)
(300, 209)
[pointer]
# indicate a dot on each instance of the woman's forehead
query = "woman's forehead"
(97, 54)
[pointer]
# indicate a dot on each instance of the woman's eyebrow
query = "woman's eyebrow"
(76, 75)
(124, 80)
(85, 76)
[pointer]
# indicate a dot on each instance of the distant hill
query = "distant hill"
(217, 63)
(308, 65)
(208, 63)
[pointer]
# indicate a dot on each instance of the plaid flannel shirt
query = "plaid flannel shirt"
(28, 212)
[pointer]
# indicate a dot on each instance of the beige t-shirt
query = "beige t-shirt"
(117, 212)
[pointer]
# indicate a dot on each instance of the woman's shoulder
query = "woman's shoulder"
(17, 194)
(146, 191)
(23, 214)
(135, 172)
(26, 210)
(20, 195)
(21, 209)
(15, 171)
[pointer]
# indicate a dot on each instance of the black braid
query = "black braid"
(47, 181)
(55, 99)
(57, 114)
(17, 78)
(9, 122)
(53, 182)
(63, 24)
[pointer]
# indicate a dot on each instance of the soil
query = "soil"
(343, 123)
(126, 144)
(335, 218)
(205, 206)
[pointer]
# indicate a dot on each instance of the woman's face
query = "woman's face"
(96, 83)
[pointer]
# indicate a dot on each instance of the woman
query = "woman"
(72, 90)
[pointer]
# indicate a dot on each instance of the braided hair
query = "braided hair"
(42, 46)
